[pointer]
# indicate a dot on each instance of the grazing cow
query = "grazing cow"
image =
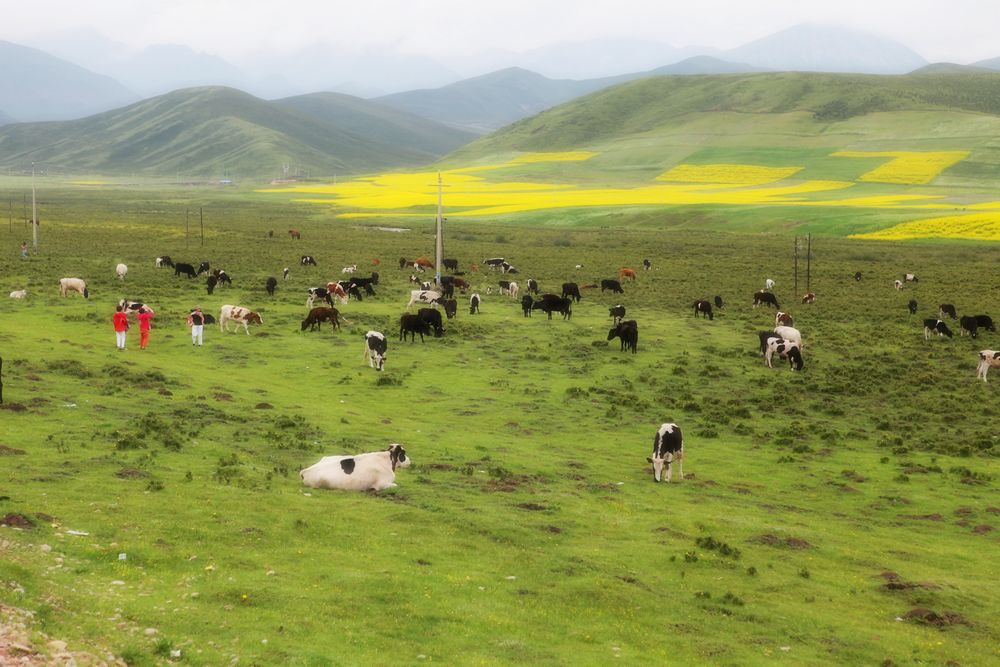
(628, 332)
(432, 318)
(450, 308)
(857, 276)
(321, 293)
(912, 306)
(450, 264)
(760, 297)
(162, 261)
(186, 269)
(424, 296)
(790, 334)
(317, 316)
(474, 304)
(532, 286)
(425, 285)
(933, 326)
(307, 260)
(423, 263)
(121, 271)
(494, 262)
(375, 349)
(705, 308)
(222, 277)
(447, 290)
(461, 284)
(668, 446)
(987, 359)
(412, 324)
(271, 285)
(625, 273)
(294, 234)
(349, 269)
(617, 313)
(366, 283)
(508, 268)
(19, 294)
(809, 297)
(768, 284)
(203, 268)
(210, 283)
(512, 290)
(284, 273)
(898, 284)
(646, 265)
(968, 325)
(526, 302)
(74, 285)
(347, 288)
(985, 322)
(613, 285)
(786, 350)
(131, 306)
(418, 268)
(373, 471)
(910, 278)
(783, 319)
(402, 262)
(765, 337)
(571, 290)
(719, 303)
(414, 279)
(550, 303)
(239, 315)
(947, 309)
(335, 289)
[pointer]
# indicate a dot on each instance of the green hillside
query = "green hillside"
(213, 131)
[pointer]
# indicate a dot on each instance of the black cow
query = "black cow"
(766, 336)
(209, 319)
(307, 260)
(447, 289)
(186, 269)
(412, 324)
(617, 312)
(164, 260)
(270, 285)
(532, 286)
(473, 304)
(646, 265)
(317, 316)
(969, 326)
(933, 326)
(985, 322)
(760, 296)
(947, 309)
(628, 332)
(705, 308)
(550, 303)
(432, 317)
(719, 303)
(526, 302)
(402, 262)
(450, 264)
(365, 283)
(857, 276)
(912, 305)
(613, 285)
(450, 308)
(571, 290)
(210, 284)
(204, 267)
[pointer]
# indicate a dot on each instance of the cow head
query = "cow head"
(398, 457)
(86, 292)
(254, 318)
(659, 461)
(795, 358)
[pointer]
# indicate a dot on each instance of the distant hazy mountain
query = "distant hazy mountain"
(603, 58)
(702, 65)
(165, 67)
(39, 86)
(817, 48)
(992, 63)
(946, 68)
(211, 131)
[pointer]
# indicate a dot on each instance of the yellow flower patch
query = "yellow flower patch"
(567, 156)
(976, 226)
(727, 174)
(907, 167)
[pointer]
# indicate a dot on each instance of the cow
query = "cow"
(239, 315)
(719, 303)
(668, 446)
(550, 303)
(987, 359)
(402, 263)
(617, 313)
(450, 264)
(512, 290)
(532, 286)
(809, 297)
(347, 288)
(222, 277)
(413, 324)
(526, 303)
(425, 285)
(321, 293)
(210, 283)
(912, 306)
(508, 268)
(349, 269)
(704, 308)
(450, 308)
(294, 234)
(898, 284)
(375, 349)
(204, 267)
(628, 332)
(461, 284)
(19, 294)
(765, 338)
(73, 285)
(985, 322)
(785, 350)
(783, 319)
(968, 325)
(790, 334)
(374, 471)
(284, 273)
(414, 280)
(646, 265)
(494, 262)
(423, 263)
(768, 284)
(432, 318)
(128, 306)
(307, 260)
(933, 326)
(162, 261)
(947, 309)
(613, 285)
(447, 289)
(271, 285)
(857, 276)
(317, 316)
(365, 283)
(121, 271)
(761, 297)
(625, 273)
(424, 296)
(186, 269)
(474, 304)
(571, 290)
(910, 278)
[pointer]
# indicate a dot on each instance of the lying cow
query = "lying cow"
(375, 349)
(19, 294)
(938, 327)
(307, 260)
(668, 446)
(786, 350)
(239, 315)
(910, 278)
(809, 297)
(987, 359)
(373, 471)
(317, 316)
(628, 332)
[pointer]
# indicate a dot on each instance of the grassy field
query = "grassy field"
(842, 515)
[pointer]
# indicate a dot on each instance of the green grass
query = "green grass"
(528, 529)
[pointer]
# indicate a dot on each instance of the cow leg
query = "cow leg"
(246, 327)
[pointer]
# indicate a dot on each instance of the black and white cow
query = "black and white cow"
(947, 309)
(786, 350)
(571, 290)
(412, 324)
(910, 278)
(162, 261)
(474, 304)
(424, 296)
(987, 359)
(765, 338)
(857, 276)
(321, 293)
(704, 308)
(222, 277)
(628, 332)
(375, 349)
(968, 325)
(613, 285)
(719, 303)
(933, 326)
(526, 302)
(204, 267)
(271, 285)
(450, 308)
(432, 318)
(373, 471)
(284, 273)
(617, 313)
(912, 306)
(668, 446)
(131, 306)
(646, 265)
(508, 268)
(494, 262)
(762, 297)
(532, 286)
(307, 260)
(985, 322)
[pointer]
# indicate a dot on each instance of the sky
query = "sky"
(240, 31)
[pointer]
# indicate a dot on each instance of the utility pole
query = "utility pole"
(795, 254)
(201, 214)
(34, 210)
(809, 243)
(187, 228)
(439, 242)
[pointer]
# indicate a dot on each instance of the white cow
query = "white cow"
(987, 359)
(121, 271)
(898, 284)
(513, 290)
(790, 334)
(75, 285)
(19, 294)
(373, 471)
(768, 284)
(424, 296)
(349, 269)
(240, 315)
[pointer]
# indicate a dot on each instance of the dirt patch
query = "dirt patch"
(993, 510)
(926, 616)
(165, 392)
(15, 520)
(10, 451)
(982, 529)
(922, 517)
(532, 507)
(787, 542)
(13, 407)
(555, 530)
(222, 396)
(510, 483)
(963, 511)
(264, 406)
(894, 582)
(130, 473)
(438, 466)
(32, 377)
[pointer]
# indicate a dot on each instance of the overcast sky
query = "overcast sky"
(958, 30)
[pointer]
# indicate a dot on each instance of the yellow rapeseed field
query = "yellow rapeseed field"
(976, 226)
(727, 174)
(907, 167)
(567, 156)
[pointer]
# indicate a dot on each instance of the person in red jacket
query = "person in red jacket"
(144, 316)
(120, 320)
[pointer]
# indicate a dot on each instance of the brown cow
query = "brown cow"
(626, 274)
(317, 316)
(424, 262)
(810, 297)
(294, 233)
